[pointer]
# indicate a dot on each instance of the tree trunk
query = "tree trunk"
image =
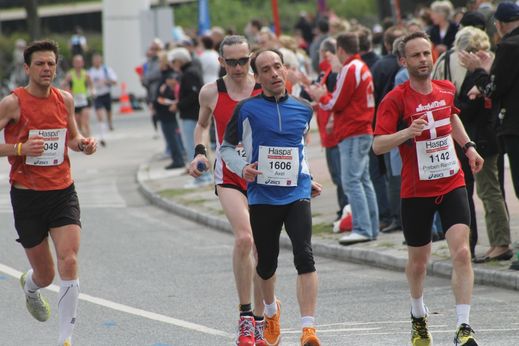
(33, 19)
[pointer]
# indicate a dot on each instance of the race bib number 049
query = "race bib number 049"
(436, 158)
(53, 148)
(279, 165)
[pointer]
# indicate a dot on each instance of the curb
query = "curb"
(501, 279)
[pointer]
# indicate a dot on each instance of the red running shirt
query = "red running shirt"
(222, 114)
(38, 114)
(405, 104)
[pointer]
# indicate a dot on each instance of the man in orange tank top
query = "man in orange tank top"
(39, 125)
(218, 99)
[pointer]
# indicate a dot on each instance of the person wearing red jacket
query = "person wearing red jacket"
(353, 106)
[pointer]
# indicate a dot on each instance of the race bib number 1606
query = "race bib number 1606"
(279, 165)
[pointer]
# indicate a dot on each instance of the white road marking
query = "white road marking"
(130, 310)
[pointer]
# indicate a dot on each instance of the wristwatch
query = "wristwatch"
(468, 145)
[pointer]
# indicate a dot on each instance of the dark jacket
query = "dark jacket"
(190, 84)
(502, 85)
(476, 116)
(370, 58)
(448, 39)
(384, 72)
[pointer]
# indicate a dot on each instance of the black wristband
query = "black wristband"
(81, 147)
(468, 145)
(200, 149)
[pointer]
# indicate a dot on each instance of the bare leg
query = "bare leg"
(66, 241)
(462, 275)
(307, 293)
(416, 268)
(42, 263)
(235, 206)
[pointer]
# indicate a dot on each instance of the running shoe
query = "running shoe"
(258, 333)
(67, 343)
(38, 306)
(420, 335)
(465, 336)
(272, 331)
(245, 331)
(309, 338)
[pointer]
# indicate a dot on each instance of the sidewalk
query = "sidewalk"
(165, 188)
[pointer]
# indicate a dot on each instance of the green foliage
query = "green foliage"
(358, 9)
(95, 44)
(234, 14)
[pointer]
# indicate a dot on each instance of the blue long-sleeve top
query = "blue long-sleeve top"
(277, 129)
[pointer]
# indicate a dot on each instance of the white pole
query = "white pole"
(122, 41)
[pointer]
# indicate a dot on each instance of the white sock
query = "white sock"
(270, 309)
(102, 129)
(30, 288)
(67, 307)
(462, 313)
(307, 322)
(417, 307)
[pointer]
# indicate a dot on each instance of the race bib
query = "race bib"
(80, 100)
(241, 151)
(53, 148)
(436, 158)
(279, 165)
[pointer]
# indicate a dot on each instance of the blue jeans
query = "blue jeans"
(356, 182)
(380, 184)
(333, 160)
(169, 129)
(188, 137)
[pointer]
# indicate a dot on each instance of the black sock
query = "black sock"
(246, 310)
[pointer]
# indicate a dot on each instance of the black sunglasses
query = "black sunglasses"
(235, 62)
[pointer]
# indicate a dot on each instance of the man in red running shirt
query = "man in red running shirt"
(419, 116)
(39, 127)
(219, 99)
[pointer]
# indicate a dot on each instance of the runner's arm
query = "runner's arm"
(460, 136)
(65, 84)
(76, 141)
(206, 98)
(230, 156)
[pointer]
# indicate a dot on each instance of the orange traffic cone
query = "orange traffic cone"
(124, 101)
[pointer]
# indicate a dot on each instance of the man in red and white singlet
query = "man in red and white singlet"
(40, 127)
(420, 118)
(218, 99)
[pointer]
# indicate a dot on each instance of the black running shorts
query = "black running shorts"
(418, 214)
(267, 221)
(103, 101)
(35, 212)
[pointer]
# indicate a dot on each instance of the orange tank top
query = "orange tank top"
(40, 114)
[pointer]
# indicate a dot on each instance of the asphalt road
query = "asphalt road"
(151, 278)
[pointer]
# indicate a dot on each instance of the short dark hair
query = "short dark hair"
(323, 24)
(410, 37)
(365, 38)
(392, 33)
(40, 46)
(231, 40)
(207, 42)
(256, 23)
(259, 52)
(349, 42)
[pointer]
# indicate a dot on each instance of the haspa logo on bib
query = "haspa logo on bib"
(276, 151)
(436, 144)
